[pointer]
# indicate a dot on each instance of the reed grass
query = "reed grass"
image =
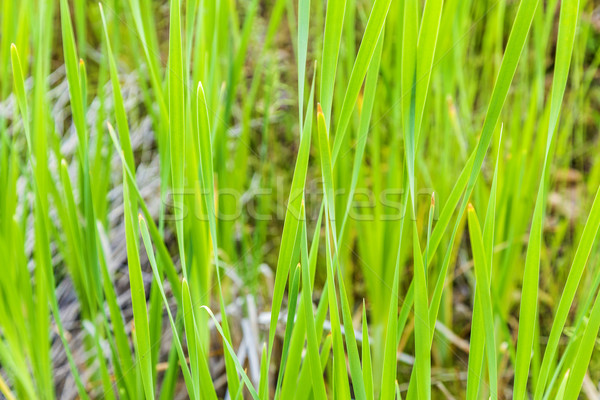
(409, 117)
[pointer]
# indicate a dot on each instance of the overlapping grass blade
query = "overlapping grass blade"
(529, 295)
(367, 367)
(584, 354)
(361, 64)
(485, 302)
(177, 123)
(155, 271)
(208, 186)
(334, 20)
(340, 385)
(290, 225)
(514, 48)
(314, 363)
(566, 36)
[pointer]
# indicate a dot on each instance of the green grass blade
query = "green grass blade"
(341, 386)
(138, 298)
(529, 296)
(177, 122)
(334, 21)
(207, 180)
(560, 394)
(314, 363)
(367, 367)
(303, 28)
(485, 302)
(291, 317)
(391, 343)
(426, 46)
(566, 35)
(423, 333)
(191, 334)
(163, 253)
(228, 347)
(477, 341)
(291, 222)
(361, 64)
(177, 342)
(584, 353)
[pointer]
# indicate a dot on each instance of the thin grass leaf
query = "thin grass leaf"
(291, 222)
(314, 363)
(529, 297)
(485, 302)
(361, 64)
(163, 253)
(584, 353)
(207, 180)
(367, 367)
(391, 344)
(155, 271)
(477, 341)
(303, 28)
(341, 385)
(238, 366)
(177, 122)
(138, 298)
(291, 317)
(334, 20)
(566, 35)
(423, 334)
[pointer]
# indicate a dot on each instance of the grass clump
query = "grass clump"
(282, 199)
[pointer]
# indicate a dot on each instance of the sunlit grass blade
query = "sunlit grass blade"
(423, 334)
(560, 394)
(303, 28)
(138, 297)
(367, 367)
(391, 343)
(291, 317)
(228, 347)
(291, 223)
(263, 390)
(125, 361)
(177, 341)
(351, 347)
(361, 64)
(584, 353)
(529, 296)
(208, 186)
(163, 253)
(588, 238)
(334, 20)
(200, 373)
(363, 130)
(426, 46)
(485, 303)
(291, 378)
(566, 34)
(313, 345)
(478, 330)
(177, 122)
(341, 385)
